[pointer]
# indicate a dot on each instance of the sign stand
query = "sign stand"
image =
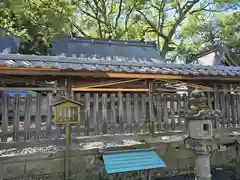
(67, 112)
(67, 152)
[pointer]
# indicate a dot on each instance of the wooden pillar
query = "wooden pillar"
(150, 108)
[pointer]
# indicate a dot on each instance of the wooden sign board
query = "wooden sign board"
(66, 112)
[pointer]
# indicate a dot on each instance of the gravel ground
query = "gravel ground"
(30, 150)
(172, 138)
(103, 144)
(54, 149)
(83, 146)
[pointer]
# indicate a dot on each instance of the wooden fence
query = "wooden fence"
(24, 118)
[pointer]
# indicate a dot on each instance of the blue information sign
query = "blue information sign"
(14, 92)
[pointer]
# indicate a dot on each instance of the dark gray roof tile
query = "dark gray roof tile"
(38, 64)
(122, 65)
(194, 72)
(215, 73)
(9, 44)
(203, 72)
(136, 69)
(102, 67)
(115, 68)
(127, 69)
(230, 73)
(109, 50)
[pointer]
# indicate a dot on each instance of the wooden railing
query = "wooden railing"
(26, 118)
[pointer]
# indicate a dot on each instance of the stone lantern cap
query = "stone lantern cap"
(199, 108)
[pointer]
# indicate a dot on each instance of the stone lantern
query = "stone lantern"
(200, 128)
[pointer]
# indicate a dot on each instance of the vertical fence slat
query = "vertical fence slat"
(216, 97)
(4, 118)
(49, 117)
(209, 99)
(233, 108)
(150, 109)
(178, 101)
(228, 109)
(27, 117)
(129, 112)
(87, 113)
(120, 112)
(38, 115)
(216, 104)
(16, 118)
(159, 111)
(113, 112)
(144, 114)
(238, 109)
(185, 109)
(165, 112)
(172, 112)
(136, 112)
(104, 114)
(96, 112)
(78, 129)
(223, 109)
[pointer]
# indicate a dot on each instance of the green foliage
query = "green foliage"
(230, 28)
(181, 28)
(27, 19)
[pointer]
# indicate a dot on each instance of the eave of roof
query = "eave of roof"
(122, 68)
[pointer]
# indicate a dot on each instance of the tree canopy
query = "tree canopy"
(180, 27)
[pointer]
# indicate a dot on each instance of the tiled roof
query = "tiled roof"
(115, 64)
(9, 44)
(103, 48)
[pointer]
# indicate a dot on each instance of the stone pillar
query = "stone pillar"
(202, 167)
(237, 160)
(199, 119)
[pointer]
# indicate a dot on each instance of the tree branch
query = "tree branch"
(102, 10)
(182, 14)
(92, 16)
(153, 26)
(212, 10)
(161, 15)
(111, 7)
(200, 9)
(98, 22)
(126, 27)
(69, 20)
(78, 28)
(119, 13)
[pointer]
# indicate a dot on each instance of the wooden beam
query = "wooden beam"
(168, 76)
(108, 83)
(109, 90)
(58, 72)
